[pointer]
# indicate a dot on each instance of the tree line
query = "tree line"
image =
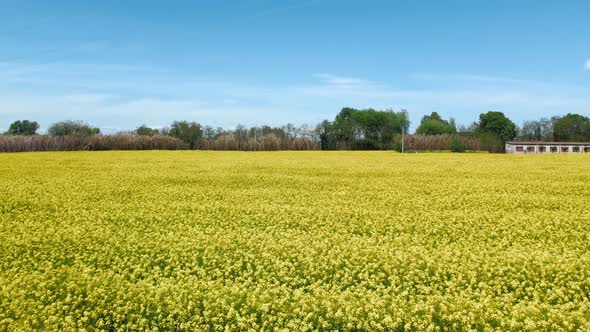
(78, 135)
(351, 129)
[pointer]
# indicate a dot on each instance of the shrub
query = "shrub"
(455, 145)
(97, 142)
(436, 142)
(40, 143)
(146, 131)
(134, 142)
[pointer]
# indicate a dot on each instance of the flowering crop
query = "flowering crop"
(294, 241)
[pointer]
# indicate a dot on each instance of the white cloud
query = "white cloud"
(121, 96)
(342, 81)
(587, 65)
(86, 98)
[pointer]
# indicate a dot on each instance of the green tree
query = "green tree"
(572, 127)
(70, 127)
(538, 130)
(324, 131)
(144, 130)
(189, 132)
(433, 124)
(491, 142)
(208, 132)
(23, 127)
(456, 145)
(498, 124)
(365, 129)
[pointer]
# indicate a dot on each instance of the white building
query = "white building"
(547, 147)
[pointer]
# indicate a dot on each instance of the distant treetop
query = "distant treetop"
(23, 127)
(70, 127)
(433, 124)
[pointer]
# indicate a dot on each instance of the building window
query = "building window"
(576, 149)
(530, 149)
(587, 149)
(553, 149)
(519, 149)
(565, 149)
(542, 149)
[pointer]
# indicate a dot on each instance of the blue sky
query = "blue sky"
(120, 64)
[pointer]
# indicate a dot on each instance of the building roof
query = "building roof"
(546, 143)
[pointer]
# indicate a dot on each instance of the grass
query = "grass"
(189, 240)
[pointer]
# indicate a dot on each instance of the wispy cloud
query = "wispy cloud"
(86, 98)
(122, 96)
(587, 65)
(506, 94)
(470, 79)
(342, 81)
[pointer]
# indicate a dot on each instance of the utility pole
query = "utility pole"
(403, 132)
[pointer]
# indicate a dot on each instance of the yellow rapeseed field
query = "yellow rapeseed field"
(294, 241)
